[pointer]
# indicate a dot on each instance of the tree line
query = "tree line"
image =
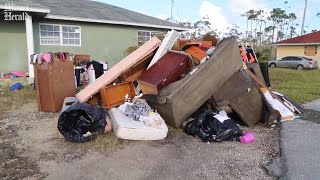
(260, 30)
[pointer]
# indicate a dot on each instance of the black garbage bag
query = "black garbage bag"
(82, 122)
(209, 129)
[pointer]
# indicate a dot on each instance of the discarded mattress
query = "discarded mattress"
(178, 101)
(127, 128)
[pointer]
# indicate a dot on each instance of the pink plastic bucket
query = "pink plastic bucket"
(247, 138)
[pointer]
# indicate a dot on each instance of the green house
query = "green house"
(101, 30)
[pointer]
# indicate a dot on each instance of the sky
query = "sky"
(222, 13)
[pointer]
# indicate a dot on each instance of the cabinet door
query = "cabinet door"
(43, 87)
(63, 82)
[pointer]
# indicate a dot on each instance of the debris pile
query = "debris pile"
(209, 86)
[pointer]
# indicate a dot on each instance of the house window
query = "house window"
(144, 36)
(51, 34)
(310, 50)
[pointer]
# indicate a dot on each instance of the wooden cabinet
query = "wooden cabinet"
(54, 82)
(167, 70)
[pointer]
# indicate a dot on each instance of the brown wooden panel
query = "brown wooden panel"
(113, 96)
(204, 43)
(197, 54)
(167, 70)
(135, 71)
(54, 82)
(81, 58)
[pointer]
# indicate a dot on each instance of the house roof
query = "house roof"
(311, 38)
(93, 11)
(23, 6)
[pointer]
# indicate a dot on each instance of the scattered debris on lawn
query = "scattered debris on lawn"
(209, 83)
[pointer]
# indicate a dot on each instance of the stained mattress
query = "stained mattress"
(127, 128)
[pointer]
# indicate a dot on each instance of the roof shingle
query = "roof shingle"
(87, 9)
(304, 39)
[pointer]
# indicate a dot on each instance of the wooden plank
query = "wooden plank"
(118, 69)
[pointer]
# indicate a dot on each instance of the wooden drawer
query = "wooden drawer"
(197, 54)
(114, 95)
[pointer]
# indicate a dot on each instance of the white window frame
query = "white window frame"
(149, 32)
(61, 35)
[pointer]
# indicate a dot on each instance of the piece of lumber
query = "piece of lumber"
(118, 69)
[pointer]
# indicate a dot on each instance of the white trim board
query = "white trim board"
(58, 17)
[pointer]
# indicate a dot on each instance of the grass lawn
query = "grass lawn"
(301, 86)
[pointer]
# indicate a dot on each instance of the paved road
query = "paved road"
(300, 147)
(315, 105)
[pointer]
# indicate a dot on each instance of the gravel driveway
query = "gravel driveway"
(30, 148)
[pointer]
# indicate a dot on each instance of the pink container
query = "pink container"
(247, 138)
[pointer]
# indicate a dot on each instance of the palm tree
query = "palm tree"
(277, 16)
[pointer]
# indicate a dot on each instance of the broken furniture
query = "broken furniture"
(54, 82)
(209, 37)
(166, 45)
(135, 71)
(115, 95)
(127, 128)
(240, 93)
(181, 44)
(167, 70)
(256, 70)
(198, 55)
(81, 59)
(179, 100)
(118, 69)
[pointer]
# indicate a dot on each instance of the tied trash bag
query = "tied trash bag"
(213, 127)
(82, 122)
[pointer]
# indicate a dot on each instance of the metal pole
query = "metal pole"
(172, 2)
(304, 17)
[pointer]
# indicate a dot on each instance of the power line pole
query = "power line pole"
(304, 16)
(172, 3)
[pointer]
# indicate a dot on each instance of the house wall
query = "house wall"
(101, 41)
(283, 51)
(13, 46)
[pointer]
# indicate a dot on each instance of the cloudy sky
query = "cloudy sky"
(222, 13)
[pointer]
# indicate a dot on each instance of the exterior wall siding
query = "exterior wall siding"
(283, 51)
(102, 41)
(13, 46)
